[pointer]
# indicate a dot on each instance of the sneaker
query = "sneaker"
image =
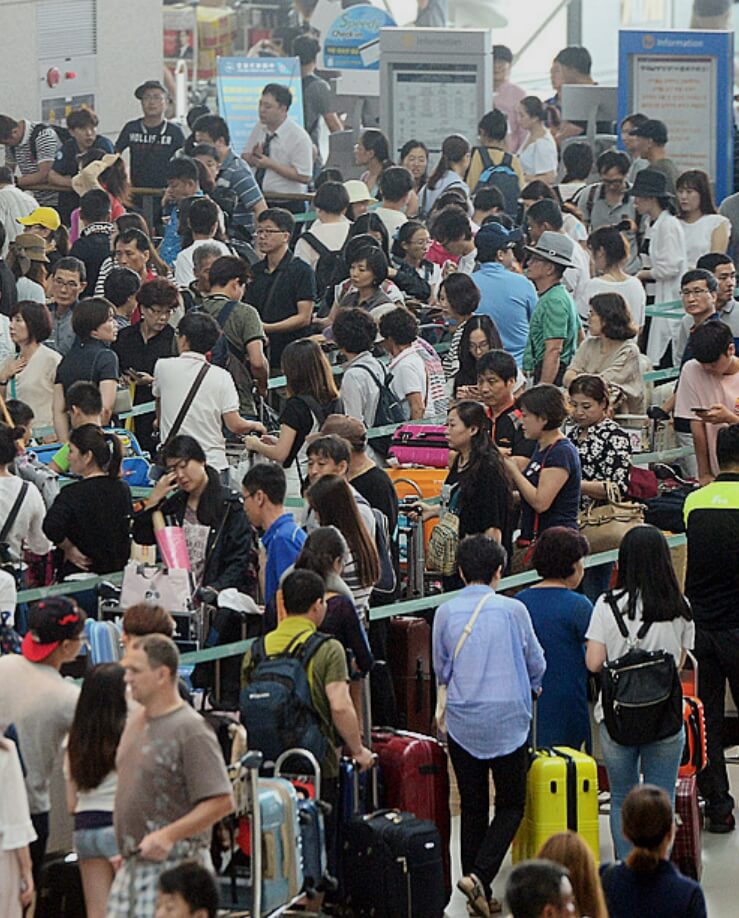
(720, 825)
(471, 887)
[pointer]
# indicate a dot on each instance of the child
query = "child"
(187, 891)
(85, 406)
(497, 380)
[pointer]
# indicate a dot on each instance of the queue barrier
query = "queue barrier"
(408, 607)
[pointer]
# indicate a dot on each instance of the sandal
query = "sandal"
(471, 888)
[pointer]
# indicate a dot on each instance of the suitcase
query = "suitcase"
(686, 850)
(393, 867)
(561, 794)
(311, 814)
(695, 752)
(134, 467)
(105, 641)
(60, 893)
(420, 444)
(419, 484)
(409, 659)
(416, 779)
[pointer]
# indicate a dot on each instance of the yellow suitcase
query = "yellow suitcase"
(561, 794)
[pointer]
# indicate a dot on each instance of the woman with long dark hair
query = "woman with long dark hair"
(91, 779)
(324, 552)
(647, 882)
(479, 336)
(477, 488)
(331, 499)
(218, 535)
(705, 229)
(459, 297)
(90, 519)
(311, 397)
(409, 248)
(449, 172)
(372, 151)
(414, 155)
(646, 592)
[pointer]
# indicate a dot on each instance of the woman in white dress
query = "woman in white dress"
(704, 228)
(538, 153)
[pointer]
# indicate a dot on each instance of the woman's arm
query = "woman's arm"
(541, 497)
(595, 656)
(278, 451)
(59, 411)
(108, 389)
(720, 237)
(418, 409)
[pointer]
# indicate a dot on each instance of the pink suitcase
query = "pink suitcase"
(421, 444)
(686, 851)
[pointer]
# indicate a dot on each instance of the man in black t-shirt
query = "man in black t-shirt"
(152, 140)
(497, 375)
(284, 287)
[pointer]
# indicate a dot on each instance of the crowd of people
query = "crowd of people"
(533, 261)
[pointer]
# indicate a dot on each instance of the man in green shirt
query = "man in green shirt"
(243, 329)
(555, 329)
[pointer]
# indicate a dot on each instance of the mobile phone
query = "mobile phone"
(700, 410)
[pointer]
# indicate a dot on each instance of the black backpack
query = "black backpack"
(61, 132)
(641, 691)
(276, 704)
(328, 267)
(389, 409)
(503, 177)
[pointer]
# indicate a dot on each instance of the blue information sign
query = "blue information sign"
(353, 41)
(240, 84)
(685, 79)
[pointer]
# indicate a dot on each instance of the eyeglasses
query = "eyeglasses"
(67, 285)
(166, 311)
(267, 232)
(701, 291)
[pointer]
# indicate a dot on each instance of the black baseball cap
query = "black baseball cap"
(652, 129)
(149, 84)
(50, 622)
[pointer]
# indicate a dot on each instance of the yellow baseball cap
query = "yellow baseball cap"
(42, 216)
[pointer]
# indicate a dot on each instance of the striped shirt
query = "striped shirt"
(21, 157)
(237, 175)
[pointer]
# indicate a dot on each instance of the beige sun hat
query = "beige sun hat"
(89, 177)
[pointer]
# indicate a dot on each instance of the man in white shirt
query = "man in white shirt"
(14, 205)
(399, 329)
(545, 215)
(278, 149)
(216, 402)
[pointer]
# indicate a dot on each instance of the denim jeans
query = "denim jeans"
(658, 762)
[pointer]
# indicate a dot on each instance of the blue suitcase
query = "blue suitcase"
(105, 641)
(135, 466)
(311, 816)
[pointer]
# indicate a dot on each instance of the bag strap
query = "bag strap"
(185, 407)
(315, 243)
(375, 380)
(467, 630)
(617, 614)
(225, 314)
(487, 162)
(14, 511)
(537, 516)
(507, 160)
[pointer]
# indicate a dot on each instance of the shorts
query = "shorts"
(90, 843)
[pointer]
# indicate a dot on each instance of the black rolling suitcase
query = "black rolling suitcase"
(393, 866)
(59, 893)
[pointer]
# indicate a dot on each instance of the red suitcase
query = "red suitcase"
(686, 851)
(695, 752)
(415, 779)
(409, 658)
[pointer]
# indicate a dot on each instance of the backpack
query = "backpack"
(503, 177)
(328, 267)
(224, 354)
(276, 704)
(389, 410)
(386, 582)
(61, 132)
(641, 690)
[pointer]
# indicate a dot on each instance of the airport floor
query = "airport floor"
(720, 859)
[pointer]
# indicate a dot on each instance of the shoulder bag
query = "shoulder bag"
(7, 562)
(441, 554)
(184, 408)
(605, 525)
(443, 690)
(641, 690)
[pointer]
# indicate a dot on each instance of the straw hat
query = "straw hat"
(30, 246)
(89, 177)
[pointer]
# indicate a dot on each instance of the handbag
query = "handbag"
(442, 691)
(441, 554)
(605, 525)
(523, 549)
(123, 401)
(171, 589)
(641, 690)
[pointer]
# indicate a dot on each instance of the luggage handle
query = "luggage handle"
(303, 754)
(373, 785)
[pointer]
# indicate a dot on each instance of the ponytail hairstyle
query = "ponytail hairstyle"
(321, 550)
(646, 820)
(105, 447)
(9, 437)
(403, 236)
(377, 143)
(453, 150)
(612, 241)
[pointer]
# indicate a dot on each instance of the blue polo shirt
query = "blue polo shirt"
(282, 543)
(509, 300)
